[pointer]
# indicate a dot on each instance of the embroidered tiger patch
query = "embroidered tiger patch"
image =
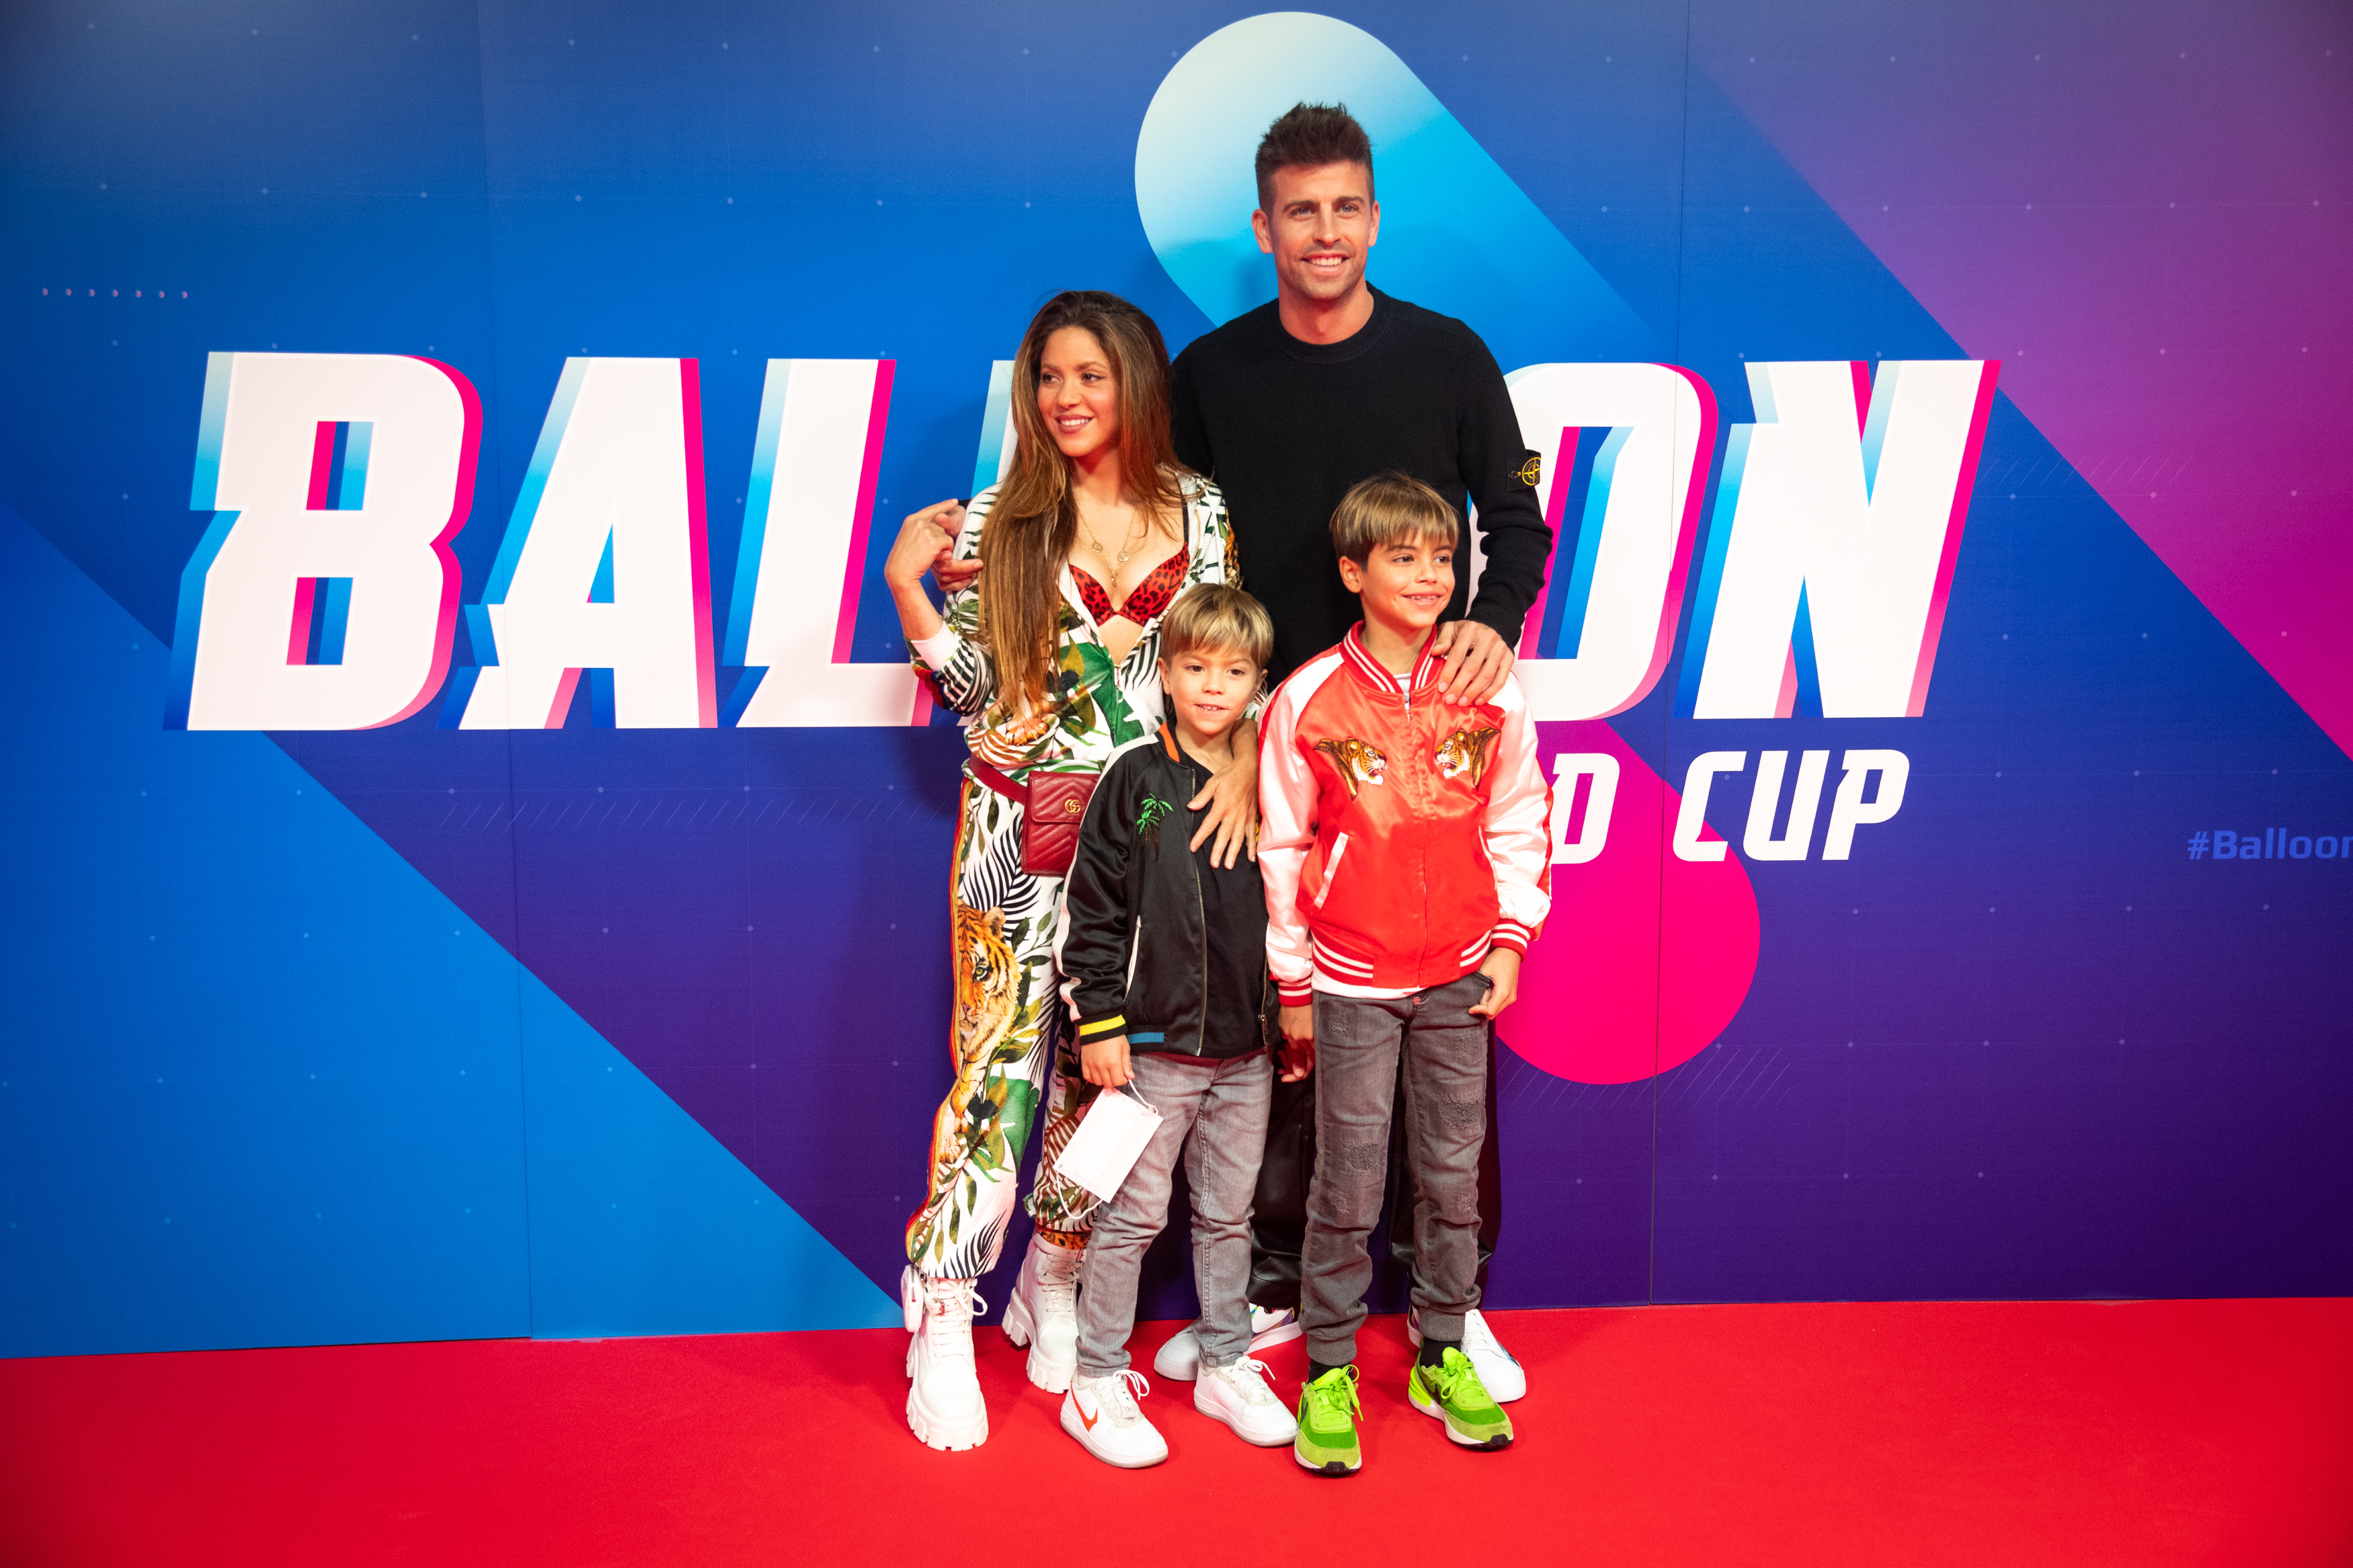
(1467, 751)
(1359, 762)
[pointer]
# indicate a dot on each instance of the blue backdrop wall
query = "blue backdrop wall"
(423, 1032)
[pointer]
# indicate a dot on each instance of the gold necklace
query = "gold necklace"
(1134, 538)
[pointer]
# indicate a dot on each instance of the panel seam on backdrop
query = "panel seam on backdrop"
(514, 869)
(1666, 709)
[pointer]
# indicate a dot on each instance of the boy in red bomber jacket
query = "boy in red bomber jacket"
(1408, 861)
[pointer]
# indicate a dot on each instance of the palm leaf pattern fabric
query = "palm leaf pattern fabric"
(1009, 1045)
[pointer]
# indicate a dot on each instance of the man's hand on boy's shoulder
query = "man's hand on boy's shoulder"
(1298, 1027)
(1478, 661)
(1105, 1063)
(1502, 972)
(1230, 798)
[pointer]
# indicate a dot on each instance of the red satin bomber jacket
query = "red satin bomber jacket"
(1403, 835)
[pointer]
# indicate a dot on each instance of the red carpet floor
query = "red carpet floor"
(2063, 1433)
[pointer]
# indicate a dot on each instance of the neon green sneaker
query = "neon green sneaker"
(1328, 1406)
(1452, 1392)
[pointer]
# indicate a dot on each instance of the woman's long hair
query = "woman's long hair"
(1027, 535)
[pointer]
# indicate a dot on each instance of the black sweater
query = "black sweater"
(1156, 943)
(1285, 427)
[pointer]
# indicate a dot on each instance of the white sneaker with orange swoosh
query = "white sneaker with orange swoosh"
(1101, 1414)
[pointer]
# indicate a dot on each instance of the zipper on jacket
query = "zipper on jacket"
(1201, 922)
(1425, 814)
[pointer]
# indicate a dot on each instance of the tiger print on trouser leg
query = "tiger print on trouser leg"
(1008, 1043)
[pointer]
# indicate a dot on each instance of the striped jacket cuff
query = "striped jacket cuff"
(1511, 933)
(1297, 993)
(1106, 1024)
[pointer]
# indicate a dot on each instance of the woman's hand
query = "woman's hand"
(1104, 1064)
(1298, 1027)
(1502, 972)
(948, 572)
(924, 538)
(1231, 797)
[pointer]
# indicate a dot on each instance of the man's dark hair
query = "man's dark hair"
(1311, 135)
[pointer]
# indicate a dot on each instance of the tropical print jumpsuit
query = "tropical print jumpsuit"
(1010, 1037)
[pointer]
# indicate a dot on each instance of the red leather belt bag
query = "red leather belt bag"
(1053, 806)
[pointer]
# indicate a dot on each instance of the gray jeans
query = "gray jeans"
(1214, 1114)
(1359, 1042)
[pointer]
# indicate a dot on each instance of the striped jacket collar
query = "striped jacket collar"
(1380, 676)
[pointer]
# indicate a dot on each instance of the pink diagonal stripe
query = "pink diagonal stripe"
(1694, 497)
(1964, 486)
(558, 710)
(689, 409)
(298, 634)
(322, 459)
(461, 506)
(853, 572)
(1556, 504)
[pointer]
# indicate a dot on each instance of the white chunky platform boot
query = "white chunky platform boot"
(1044, 1313)
(945, 1409)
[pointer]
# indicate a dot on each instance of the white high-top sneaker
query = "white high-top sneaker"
(1044, 1313)
(1239, 1396)
(943, 1404)
(1497, 1367)
(1101, 1414)
(1180, 1358)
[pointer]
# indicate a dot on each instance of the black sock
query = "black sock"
(1316, 1369)
(1433, 1350)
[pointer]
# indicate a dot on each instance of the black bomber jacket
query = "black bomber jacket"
(1134, 945)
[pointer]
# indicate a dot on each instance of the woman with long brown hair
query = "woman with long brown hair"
(1052, 655)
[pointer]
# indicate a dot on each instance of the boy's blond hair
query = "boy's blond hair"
(1214, 617)
(1391, 509)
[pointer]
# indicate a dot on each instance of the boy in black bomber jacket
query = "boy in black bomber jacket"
(1163, 955)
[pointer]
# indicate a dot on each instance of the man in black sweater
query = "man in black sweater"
(1286, 407)
(1286, 423)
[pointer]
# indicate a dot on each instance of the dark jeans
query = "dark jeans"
(1279, 1217)
(1360, 1045)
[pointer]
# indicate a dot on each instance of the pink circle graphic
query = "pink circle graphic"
(1646, 956)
